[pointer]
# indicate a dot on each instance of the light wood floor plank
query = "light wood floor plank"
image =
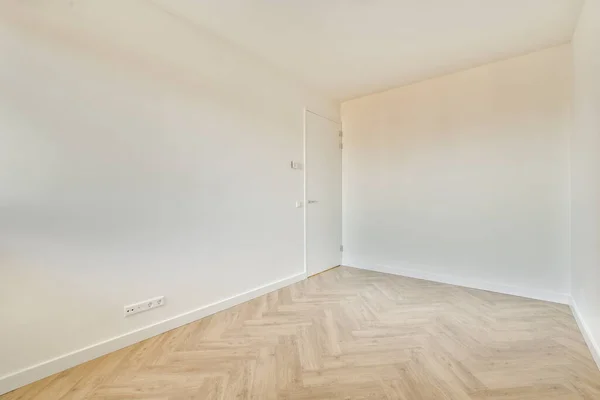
(350, 334)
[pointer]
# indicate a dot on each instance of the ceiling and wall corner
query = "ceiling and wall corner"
(347, 49)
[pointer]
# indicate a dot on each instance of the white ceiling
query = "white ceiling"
(349, 48)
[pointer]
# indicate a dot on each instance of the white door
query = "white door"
(323, 194)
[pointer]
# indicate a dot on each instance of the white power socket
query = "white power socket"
(144, 306)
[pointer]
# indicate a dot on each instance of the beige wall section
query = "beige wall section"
(585, 166)
(465, 175)
(137, 160)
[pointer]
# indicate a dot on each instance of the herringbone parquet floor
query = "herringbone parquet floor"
(350, 334)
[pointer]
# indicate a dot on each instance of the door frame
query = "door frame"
(306, 111)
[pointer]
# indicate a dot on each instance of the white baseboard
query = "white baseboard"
(592, 344)
(36, 372)
(537, 294)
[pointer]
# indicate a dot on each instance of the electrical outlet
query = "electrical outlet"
(144, 306)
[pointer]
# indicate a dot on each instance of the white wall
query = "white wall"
(585, 179)
(136, 160)
(464, 178)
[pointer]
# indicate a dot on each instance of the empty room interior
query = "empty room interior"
(303, 199)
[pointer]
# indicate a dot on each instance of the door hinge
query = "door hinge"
(342, 146)
(342, 247)
(341, 133)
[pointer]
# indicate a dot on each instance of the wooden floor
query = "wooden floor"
(351, 334)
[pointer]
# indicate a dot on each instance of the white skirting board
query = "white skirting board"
(66, 361)
(537, 294)
(593, 345)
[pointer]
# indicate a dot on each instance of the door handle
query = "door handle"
(312, 201)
